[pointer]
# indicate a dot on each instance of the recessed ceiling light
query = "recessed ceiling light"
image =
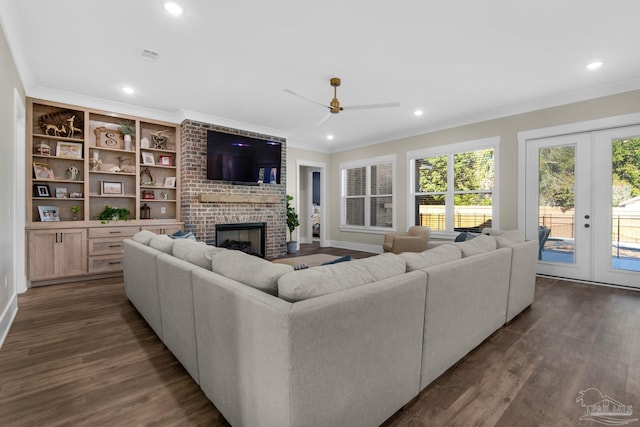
(330, 137)
(594, 65)
(173, 8)
(128, 90)
(418, 113)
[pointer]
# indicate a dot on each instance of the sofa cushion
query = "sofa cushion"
(143, 237)
(326, 279)
(437, 255)
(248, 269)
(505, 239)
(163, 243)
(476, 246)
(197, 253)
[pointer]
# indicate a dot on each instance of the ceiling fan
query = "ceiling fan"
(335, 107)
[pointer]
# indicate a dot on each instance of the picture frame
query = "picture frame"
(69, 150)
(48, 213)
(43, 170)
(111, 188)
(148, 194)
(170, 181)
(75, 195)
(165, 160)
(62, 193)
(147, 158)
(109, 138)
(41, 190)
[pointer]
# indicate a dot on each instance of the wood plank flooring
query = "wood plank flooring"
(80, 354)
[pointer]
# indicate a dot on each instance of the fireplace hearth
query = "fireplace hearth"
(248, 237)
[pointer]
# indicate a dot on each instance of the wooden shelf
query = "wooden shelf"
(112, 173)
(41, 156)
(114, 196)
(58, 181)
(58, 138)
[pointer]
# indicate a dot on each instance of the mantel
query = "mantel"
(238, 198)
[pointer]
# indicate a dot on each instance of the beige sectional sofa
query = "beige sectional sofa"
(344, 344)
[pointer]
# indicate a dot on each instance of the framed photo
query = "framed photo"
(48, 213)
(165, 160)
(170, 181)
(75, 195)
(147, 158)
(43, 171)
(112, 188)
(71, 150)
(109, 138)
(148, 194)
(41, 190)
(61, 193)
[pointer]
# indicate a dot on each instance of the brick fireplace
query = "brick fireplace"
(206, 203)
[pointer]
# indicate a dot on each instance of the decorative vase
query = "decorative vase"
(292, 247)
(127, 143)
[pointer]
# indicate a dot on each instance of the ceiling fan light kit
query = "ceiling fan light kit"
(334, 106)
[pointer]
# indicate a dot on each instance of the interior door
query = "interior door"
(558, 197)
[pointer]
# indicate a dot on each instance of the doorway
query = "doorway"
(311, 202)
(582, 201)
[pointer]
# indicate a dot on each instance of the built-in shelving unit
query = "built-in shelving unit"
(79, 160)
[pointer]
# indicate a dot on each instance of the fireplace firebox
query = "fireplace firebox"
(248, 237)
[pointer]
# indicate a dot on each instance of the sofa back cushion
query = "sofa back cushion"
(144, 236)
(326, 279)
(197, 253)
(163, 243)
(248, 269)
(438, 255)
(506, 238)
(477, 246)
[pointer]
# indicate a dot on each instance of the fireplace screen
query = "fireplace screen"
(245, 237)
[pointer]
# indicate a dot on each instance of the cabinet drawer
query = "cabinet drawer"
(105, 246)
(105, 264)
(112, 232)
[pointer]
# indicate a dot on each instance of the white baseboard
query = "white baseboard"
(376, 249)
(6, 319)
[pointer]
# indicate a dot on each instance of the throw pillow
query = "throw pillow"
(337, 260)
(182, 235)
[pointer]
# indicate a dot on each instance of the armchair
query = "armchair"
(414, 240)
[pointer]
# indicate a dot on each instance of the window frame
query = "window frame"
(367, 163)
(450, 150)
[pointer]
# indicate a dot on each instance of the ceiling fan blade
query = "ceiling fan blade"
(324, 119)
(305, 98)
(371, 106)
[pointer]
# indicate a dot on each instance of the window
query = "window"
(454, 186)
(368, 195)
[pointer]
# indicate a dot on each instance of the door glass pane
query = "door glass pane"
(625, 206)
(431, 211)
(556, 210)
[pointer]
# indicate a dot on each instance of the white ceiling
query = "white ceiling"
(459, 61)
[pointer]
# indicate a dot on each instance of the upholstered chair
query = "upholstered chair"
(414, 240)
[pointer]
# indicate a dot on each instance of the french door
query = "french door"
(583, 190)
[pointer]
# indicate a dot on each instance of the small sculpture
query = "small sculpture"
(73, 173)
(95, 162)
(160, 140)
(146, 177)
(72, 128)
(56, 130)
(144, 143)
(115, 169)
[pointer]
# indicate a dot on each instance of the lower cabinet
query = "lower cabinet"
(58, 253)
(61, 253)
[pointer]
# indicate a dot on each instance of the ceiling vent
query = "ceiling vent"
(149, 55)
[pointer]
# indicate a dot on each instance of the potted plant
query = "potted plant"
(292, 224)
(114, 214)
(128, 130)
(75, 210)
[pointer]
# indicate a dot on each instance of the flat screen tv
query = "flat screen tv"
(242, 159)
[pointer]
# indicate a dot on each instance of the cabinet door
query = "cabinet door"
(163, 229)
(42, 258)
(72, 252)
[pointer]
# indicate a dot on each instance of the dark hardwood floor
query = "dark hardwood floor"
(80, 354)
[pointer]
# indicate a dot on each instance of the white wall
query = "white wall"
(9, 84)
